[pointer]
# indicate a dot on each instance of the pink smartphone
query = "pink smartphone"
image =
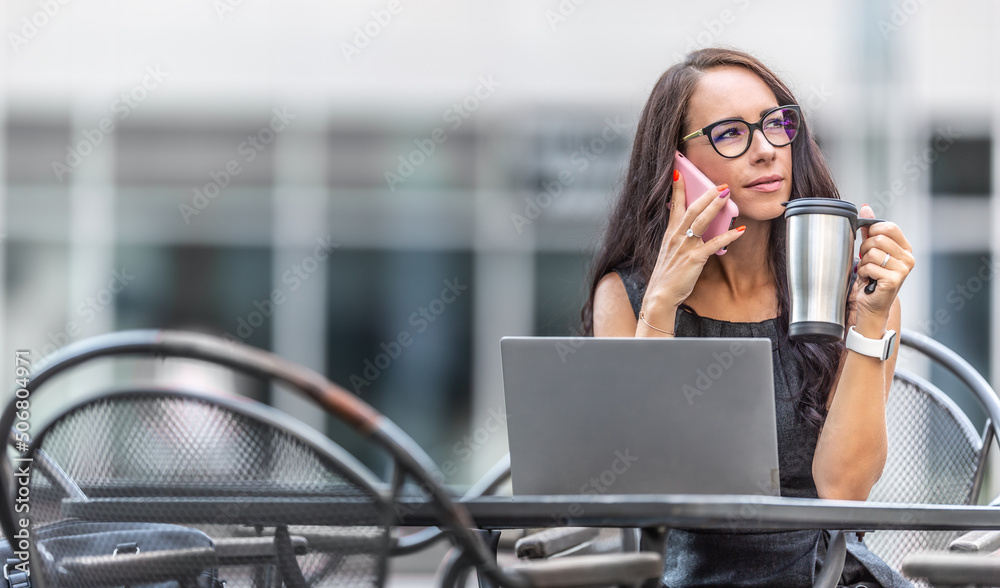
(695, 185)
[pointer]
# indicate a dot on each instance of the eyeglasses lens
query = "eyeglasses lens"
(779, 127)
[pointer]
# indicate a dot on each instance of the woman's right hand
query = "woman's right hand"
(682, 258)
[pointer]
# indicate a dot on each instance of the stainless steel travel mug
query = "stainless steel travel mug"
(820, 258)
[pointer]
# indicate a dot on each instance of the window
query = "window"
(960, 318)
(399, 335)
(959, 165)
(213, 289)
(560, 291)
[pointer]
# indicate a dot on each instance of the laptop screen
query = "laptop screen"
(640, 415)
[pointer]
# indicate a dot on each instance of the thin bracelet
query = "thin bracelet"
(643, 319)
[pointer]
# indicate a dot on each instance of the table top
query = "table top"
(692, 511)
(720, 512)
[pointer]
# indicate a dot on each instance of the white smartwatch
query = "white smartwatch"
(878, 348)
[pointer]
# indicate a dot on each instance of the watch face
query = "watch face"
(891, 346)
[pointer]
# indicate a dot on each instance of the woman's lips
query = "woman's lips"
(769, 184)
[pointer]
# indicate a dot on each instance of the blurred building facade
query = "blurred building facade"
(381, 190)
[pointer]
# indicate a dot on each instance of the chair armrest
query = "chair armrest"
(139, 568)
(952, 568)
(551, 541)
(248, 550)
(590, 570)
(510, 537)
(608, 540)
(977, 542)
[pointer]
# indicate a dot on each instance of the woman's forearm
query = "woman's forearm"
(852, 446)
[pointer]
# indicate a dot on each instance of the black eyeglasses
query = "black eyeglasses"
(732, 137)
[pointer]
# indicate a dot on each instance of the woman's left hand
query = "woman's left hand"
(879, 240)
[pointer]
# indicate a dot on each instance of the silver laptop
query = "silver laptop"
(640, 415)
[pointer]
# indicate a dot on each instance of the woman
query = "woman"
(655, 277)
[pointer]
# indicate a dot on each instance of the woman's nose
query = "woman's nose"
(760, 148)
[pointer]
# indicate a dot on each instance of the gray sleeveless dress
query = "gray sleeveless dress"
(755, 558)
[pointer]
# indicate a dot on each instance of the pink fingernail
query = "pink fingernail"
(724, 193)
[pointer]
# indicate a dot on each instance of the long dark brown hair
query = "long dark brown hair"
(639, 219)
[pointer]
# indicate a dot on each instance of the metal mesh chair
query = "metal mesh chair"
(252, 496)
(935, 454)
(163, 455)
(544, 555)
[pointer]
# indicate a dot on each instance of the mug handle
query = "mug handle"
(867, 222)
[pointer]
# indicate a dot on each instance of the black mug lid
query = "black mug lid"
(821, 206)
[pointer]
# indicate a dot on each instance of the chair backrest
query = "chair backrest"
(410, 461)
(233, 470)
(935, 454)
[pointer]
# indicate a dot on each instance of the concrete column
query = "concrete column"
(299, 227)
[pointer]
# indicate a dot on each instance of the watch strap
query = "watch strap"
(879, 348)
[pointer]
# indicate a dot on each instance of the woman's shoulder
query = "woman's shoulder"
(610, 286)
(631, 276)
(627, 277)
(612, 300)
